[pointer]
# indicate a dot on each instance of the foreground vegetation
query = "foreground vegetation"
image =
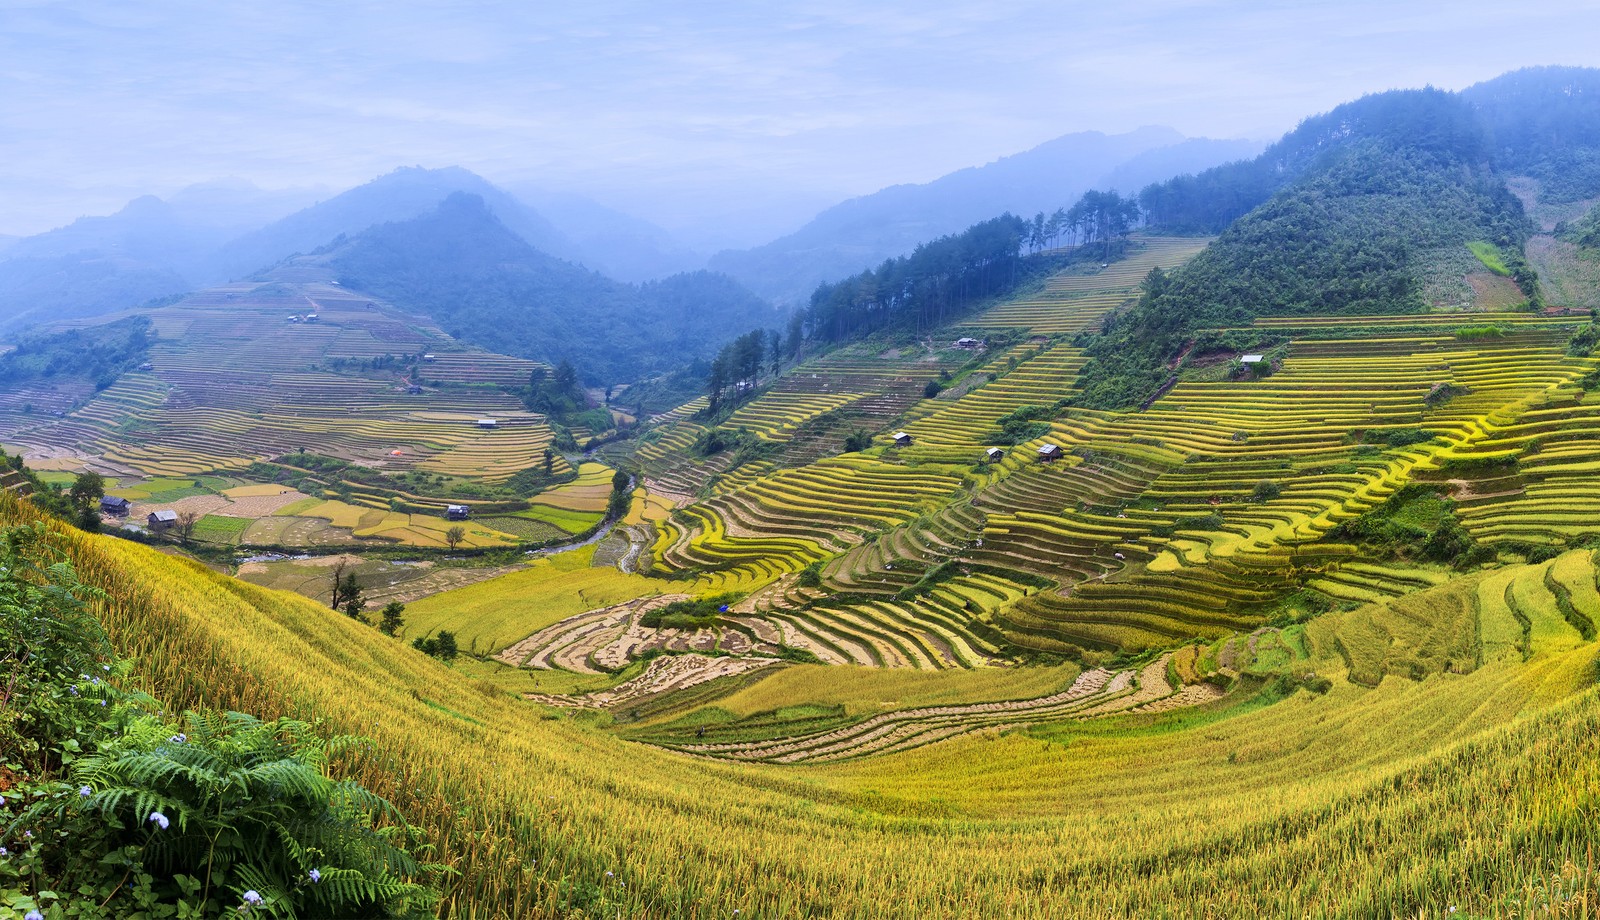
(1335, 803)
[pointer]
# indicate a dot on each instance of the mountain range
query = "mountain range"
(215, 232)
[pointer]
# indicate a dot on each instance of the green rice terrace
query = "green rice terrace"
(300, 414)
(914, 579)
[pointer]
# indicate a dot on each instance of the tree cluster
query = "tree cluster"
(1350, 238)
(99, 353)
(557, 394)
(936, 283)
(1098, 217)
(738, 366)
(1427, 120)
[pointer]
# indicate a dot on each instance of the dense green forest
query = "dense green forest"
(97, 353)
(485, 285)
(1540, 121)
(1544, 122)
(950, 276)
(1426, 120)
(939, 281)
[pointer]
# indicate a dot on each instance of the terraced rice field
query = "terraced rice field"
(1425, 730)
(1146, 533)
(1096, 693)
(1072, 303)
(234, 381)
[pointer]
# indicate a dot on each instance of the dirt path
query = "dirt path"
(1096, 693)
(663, 675)
(639, 540)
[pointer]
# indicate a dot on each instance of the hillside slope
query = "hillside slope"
(151, 248)
(401, 195)
(486, 285)
(862, 232)
(548, 816)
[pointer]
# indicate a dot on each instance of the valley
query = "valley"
(1230, 549)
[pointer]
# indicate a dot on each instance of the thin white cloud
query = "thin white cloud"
(678, 106)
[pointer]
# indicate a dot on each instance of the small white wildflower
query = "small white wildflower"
(159, 820)
(314, 875)
(252, 897)
(84, 791)
(33, 915)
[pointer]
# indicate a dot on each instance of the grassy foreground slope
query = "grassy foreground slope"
(1480, 796)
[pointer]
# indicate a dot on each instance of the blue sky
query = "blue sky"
(685, 111)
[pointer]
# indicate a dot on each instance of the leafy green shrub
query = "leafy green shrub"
(1022, 425)
(1400, 437)
(1582, 342)
(691, 614)
(1489, 255)
(231, 814)
(1442, 393)
(1211, 521)
(441, 646)
(137, 814)
(857, 440)
(47, 635)
(1265, 490)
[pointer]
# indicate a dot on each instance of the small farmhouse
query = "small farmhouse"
(488, 423)
(901, 439)
(969, 343)
(1250, 359)
(163, 519)
(112, 504)
(1050, 452)
(457, 512)
(995, 454)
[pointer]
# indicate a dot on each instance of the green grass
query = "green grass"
(1489, 255)
(493, 614)
(167, 489)
(568, 520)
(216, 528)
(525, 528)
(294, 508)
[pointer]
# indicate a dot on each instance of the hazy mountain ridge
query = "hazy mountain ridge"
(862, 232)
(484, 284)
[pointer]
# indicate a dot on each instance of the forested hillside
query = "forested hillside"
(1383, 185)
(1544, 122)
(485, 285)
(862, 232)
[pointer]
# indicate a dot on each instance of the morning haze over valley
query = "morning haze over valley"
(802, 460)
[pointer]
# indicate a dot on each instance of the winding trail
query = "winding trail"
(1096, 693)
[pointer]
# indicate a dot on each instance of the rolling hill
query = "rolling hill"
(862, 232)
(460, 265)
(1250, 573)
